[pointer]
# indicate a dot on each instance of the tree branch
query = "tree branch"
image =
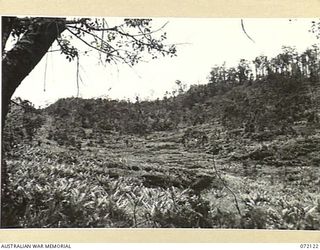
(227, 187)
(111, 56)
(95, 36)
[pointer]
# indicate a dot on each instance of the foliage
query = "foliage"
(56, 192)
(128, 42)
(22, 123)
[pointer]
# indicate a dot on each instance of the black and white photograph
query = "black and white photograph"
(160, 122)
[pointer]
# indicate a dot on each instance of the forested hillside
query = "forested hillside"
(241, 151)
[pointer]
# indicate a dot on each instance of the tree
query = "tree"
(287, 58)
(129, 42)
(243, 70)
(218, 74)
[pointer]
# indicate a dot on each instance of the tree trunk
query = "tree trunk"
(26, 54)
(7, 24)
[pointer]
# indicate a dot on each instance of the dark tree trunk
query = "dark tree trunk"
(26, 54)
(7, 24)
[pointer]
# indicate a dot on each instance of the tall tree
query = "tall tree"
(243, 70)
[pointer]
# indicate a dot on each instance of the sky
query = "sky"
(202, 44)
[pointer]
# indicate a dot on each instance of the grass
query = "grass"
(148, 183)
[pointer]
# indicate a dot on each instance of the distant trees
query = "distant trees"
(260, 66)
(289, 62)
(279, 96)
(244, 71)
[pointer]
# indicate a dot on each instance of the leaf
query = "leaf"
(90, 203)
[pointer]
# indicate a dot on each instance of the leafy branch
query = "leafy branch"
(121, 43)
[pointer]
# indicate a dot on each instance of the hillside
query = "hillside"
(237, 153)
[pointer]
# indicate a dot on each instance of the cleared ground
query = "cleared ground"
(200, 176)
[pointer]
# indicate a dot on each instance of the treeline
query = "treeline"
(288, 63)
(264, 95)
